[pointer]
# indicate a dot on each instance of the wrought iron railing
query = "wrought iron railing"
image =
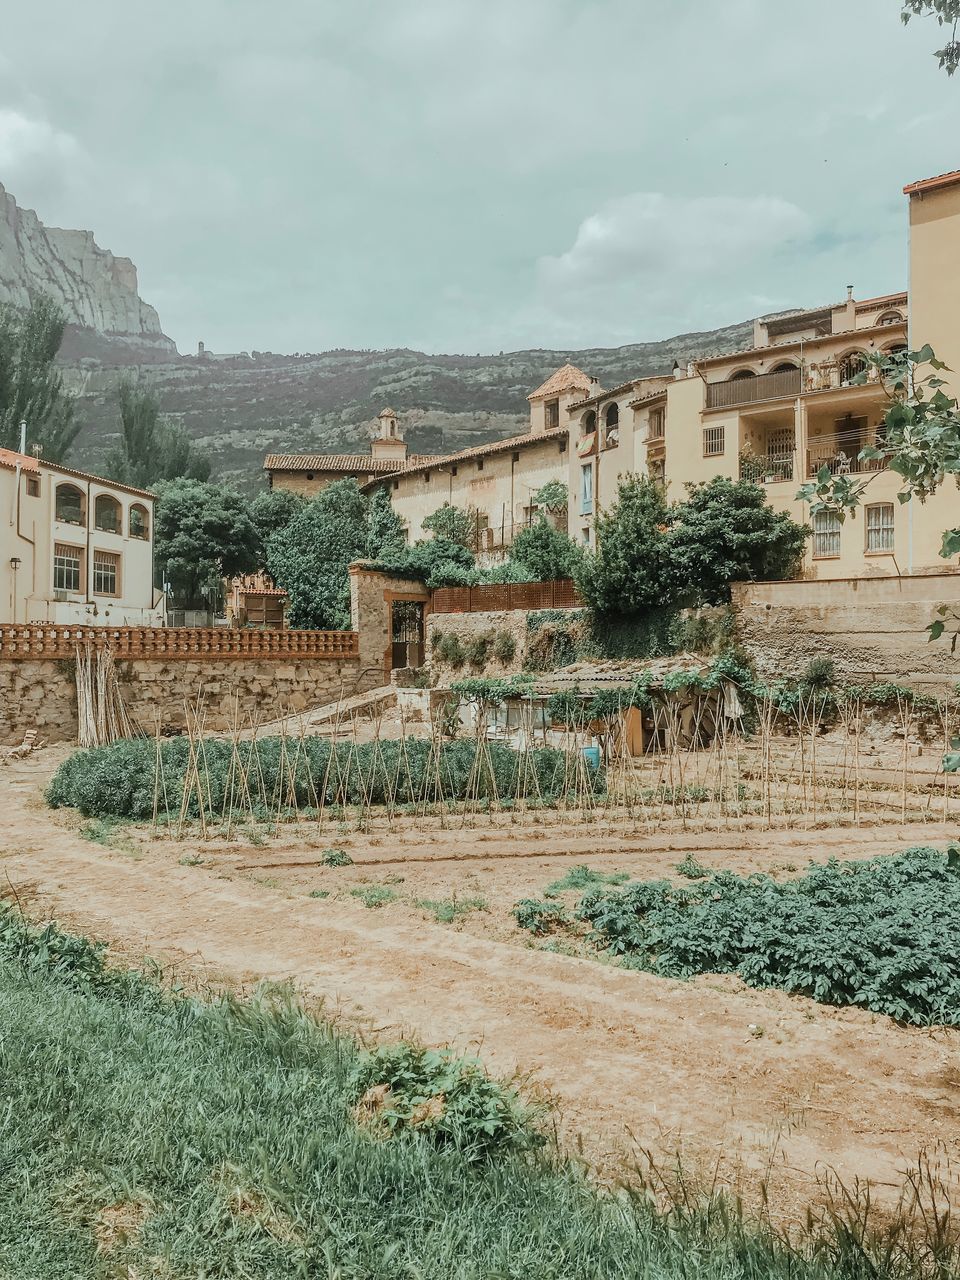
(840, 453)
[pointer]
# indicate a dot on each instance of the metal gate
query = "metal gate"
(406, 634)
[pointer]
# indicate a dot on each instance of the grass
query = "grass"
(163, 1136)
(374, 895)
(583, 877)
(447, 910)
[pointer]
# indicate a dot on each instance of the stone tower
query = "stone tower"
(389, 445)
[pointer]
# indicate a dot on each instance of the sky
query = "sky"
(476, 175)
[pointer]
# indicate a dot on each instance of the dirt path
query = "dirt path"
(635, 1061)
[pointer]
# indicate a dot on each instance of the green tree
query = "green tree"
(386, 532)
(151, 449)
(271, 511)
(454, 524)
(725, 532)
(203, 534)
(947, 14)
(552, 496)
(31, 385)
(310, 557)
(544, 552)
(632, 570)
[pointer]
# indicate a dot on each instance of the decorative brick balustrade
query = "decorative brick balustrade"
(47, 640)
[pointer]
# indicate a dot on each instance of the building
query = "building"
(498, 482)
(76, 549)
(308, 473)
(776, 413)
(254, 600)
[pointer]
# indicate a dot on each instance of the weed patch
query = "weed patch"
(374, 895)
(447, 910)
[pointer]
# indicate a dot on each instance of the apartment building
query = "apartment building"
(499, 481)
(74, 548)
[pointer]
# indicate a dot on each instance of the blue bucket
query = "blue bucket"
(592, 756)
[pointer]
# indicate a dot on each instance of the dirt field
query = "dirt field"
(635, 1062)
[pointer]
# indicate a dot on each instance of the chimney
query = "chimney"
(849, 292)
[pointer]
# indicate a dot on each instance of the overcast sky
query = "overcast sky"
(476, 175)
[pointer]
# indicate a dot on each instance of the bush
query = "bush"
(539, 917)
(119, 780)
(900, 958)
(448, 649)
(450, 1101)
(335, 858)
(477, 650)
(504, 647)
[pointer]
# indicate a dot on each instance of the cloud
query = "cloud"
(685, 260)
(27, 141)
(652, 238)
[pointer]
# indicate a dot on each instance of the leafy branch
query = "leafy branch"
(947, 14)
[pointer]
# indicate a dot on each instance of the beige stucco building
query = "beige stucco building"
(308, 473)
(497, 482)
(74, 548)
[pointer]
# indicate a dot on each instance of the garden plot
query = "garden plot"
(417, 934)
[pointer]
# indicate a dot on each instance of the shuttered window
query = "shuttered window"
(826, 535)
(880, 527)
(106, 573)
(67, 567)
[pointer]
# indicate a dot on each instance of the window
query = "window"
(826, 535)
(106, 573)
(69, 504)
(516, 457)
(139, 522)
(585, 535)
(67, 567)
(33, 486)
(107, 514)
(742, 373)
(588, 422)
(552, 411)
(880, 527)
(396, 484)
(890, 317)
(586, 489)
(479, 464)
(453, 471)
(851, 366)
(657, 424)
(611, 424)
(426, 477)
(712, 442)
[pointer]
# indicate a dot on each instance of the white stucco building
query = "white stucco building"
(74, 548)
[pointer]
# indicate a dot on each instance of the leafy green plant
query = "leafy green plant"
(902, 959)
(374, 895)
(584, 877)
(319, 893)
(538, 917)
(335, 858)
(691, 869)
(447, 910)
(477, 651)
(450, 1101)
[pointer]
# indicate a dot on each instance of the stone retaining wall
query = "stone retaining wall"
(468, 627)
(874, 629)
(41, 693)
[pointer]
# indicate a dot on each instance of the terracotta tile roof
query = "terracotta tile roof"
(777, 347)
(930, 184)
(86, 475)
(567, 378)
(653, 395)
(349, 462)
(26, 461)
(482, 451)
(607, 395)
(889, 299)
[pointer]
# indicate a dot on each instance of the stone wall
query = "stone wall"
(874, 629)
(372, 594)
(41, 693)
(468, 627)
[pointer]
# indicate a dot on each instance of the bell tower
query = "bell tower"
(389, 445)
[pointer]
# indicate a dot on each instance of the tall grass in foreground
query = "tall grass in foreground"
(160, 1136)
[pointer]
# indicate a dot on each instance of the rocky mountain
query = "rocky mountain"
(96, 289)
(240, 407)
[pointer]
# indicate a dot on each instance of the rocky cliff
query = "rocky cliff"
(96, 289)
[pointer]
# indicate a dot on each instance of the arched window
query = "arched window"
(742, 373)
(785, 366)
(107, 514)
(611, 426)
(894, 348)
(851, 366)
(588, 422)
(139, 521)
(890, 317)
(612, 415)
(69, 504)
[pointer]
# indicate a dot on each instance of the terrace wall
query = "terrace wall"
(264, 672)
(874, 629)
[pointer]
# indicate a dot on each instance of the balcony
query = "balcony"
(765, 386)
(839, 451)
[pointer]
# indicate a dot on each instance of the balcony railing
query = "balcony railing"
(840, 453)
(767, 470)
(765, 386)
